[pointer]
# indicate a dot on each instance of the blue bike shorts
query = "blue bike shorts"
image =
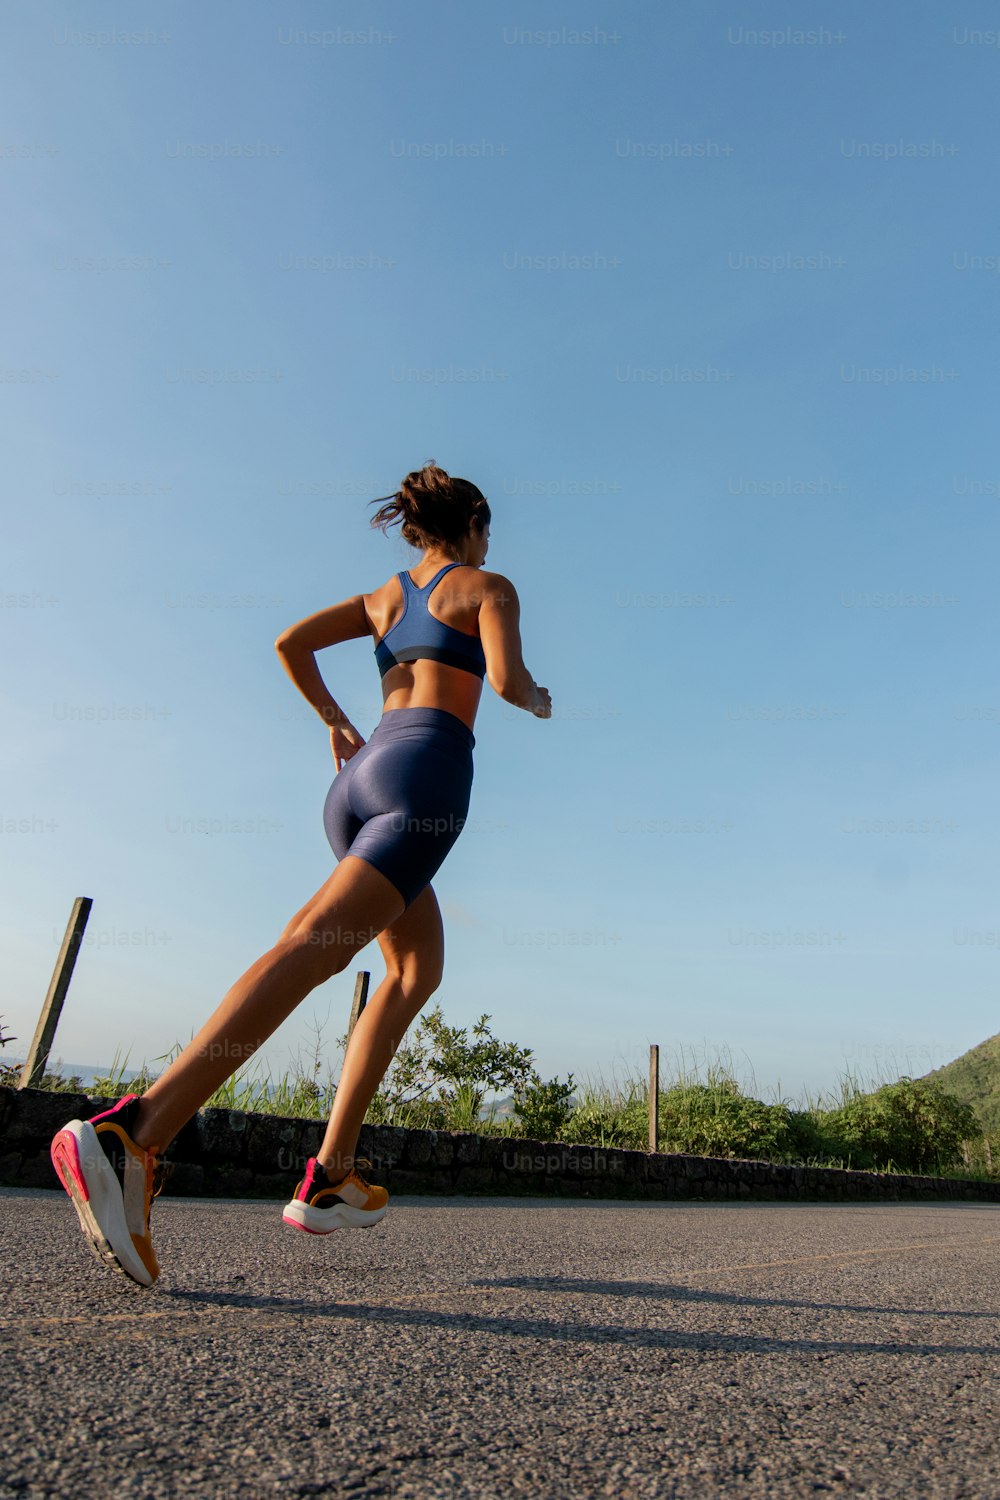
(402, 800)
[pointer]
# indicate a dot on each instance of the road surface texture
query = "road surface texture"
(485, 1347)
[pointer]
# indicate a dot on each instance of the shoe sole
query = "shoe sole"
(83, 1170)
(320, 1220)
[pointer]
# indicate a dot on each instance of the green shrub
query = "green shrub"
(912, 1124)
(614, 1117)
(542, 1109)
(981, 1154)
(718, 1119)
(439, 1079)
(808, 1140)
(598, 1124)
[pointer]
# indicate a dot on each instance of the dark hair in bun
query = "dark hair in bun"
(433, 509)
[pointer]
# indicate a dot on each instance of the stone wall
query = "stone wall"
(224, 1153)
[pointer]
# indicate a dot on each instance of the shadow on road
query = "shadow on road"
(668, 1291)
(558, 1331)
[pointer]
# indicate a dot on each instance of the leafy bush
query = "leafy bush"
(981, 1154)
(597, 1124)
(542, 1109)
(808, 1140)
(914, 1124)
(438, 1080)
(718, 1119)
(615, 1118)
(714, 1118)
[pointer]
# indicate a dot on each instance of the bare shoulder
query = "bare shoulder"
(379, 604)
(497, 588)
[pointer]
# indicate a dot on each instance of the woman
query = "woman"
(391, 816)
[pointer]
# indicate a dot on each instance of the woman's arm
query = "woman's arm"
(302, 669)
(297, 646)
(499, 631)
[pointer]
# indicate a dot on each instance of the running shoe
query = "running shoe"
(320, 1206)
(112, 1183)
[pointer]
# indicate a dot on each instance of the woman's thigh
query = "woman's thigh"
(354, 906)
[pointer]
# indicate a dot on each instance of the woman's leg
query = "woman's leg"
(354, 906)
(413, 949)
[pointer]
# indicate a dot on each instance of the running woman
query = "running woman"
(395, 808)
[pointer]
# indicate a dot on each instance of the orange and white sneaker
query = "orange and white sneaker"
(320, 1206)
(112, 1183)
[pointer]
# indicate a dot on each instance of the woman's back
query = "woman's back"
(397, 615)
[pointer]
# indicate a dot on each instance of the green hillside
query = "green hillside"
(975, 1079)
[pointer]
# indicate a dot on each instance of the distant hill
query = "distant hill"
(503, 1109)
(975, 1079)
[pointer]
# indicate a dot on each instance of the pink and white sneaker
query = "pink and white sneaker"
(112, 1183)
(320, 1206)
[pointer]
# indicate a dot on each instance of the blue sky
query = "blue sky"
(709, 312)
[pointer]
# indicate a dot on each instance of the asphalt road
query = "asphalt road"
(478, 1347)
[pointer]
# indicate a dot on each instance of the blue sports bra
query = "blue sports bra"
(418, 636)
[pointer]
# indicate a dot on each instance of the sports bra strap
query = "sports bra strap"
(410, 587)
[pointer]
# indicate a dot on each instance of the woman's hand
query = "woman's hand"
(345, 741)
(543, 703)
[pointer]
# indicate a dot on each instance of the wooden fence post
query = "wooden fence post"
(654, 1096)
(360, 1000)
(41, 1043)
